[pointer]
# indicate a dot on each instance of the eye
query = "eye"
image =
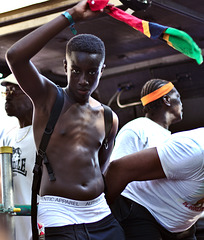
(75, 71)
(92, 72)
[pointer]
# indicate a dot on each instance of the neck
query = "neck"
(24, 122)
(72, 99)
(160, 119)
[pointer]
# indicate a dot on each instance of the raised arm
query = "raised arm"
(139, 166)
(20, 54)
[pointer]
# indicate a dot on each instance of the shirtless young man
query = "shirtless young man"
(74, 204)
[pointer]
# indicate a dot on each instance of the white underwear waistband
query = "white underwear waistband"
(58, 211)
(71, 202)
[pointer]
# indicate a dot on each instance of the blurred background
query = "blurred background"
(131, 57)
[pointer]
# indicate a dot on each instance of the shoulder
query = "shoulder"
(185, 142)
(9, 135)
(11, 132)
(111, 112)
(136, 126)
(110, 119)
(191, 138)
(180, 152)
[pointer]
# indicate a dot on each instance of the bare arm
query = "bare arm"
(140, 166)
(104, 154)
(20, 54)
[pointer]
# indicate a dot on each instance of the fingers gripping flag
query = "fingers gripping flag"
(175, 38)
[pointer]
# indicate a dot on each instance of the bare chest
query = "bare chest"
(81, 126)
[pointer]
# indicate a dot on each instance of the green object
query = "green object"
(182, 42)
(71, 21)
(25, 210)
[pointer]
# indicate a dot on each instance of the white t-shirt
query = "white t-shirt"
(137, 135)
(158, 196)
(23, 159)
(182, 159)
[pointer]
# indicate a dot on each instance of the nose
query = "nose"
(83, 80)
(9, 95)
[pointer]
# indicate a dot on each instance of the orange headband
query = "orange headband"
(157, 94)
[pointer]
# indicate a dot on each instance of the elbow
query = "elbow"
(12, 57)
(115, 173)
(115, 183)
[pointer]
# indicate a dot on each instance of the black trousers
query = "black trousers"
(139, 224)
(200, 229)
(106, 229)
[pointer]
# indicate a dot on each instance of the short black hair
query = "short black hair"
(86, 43)
(151, 86)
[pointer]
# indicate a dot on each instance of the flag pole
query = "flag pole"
(7, 188)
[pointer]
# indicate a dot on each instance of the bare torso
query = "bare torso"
(73, 153)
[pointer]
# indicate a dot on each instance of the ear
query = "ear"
(166, 100)
(65, 65)
(102, 69)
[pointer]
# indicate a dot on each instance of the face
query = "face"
(176, 105)
(17, 102)
(83, 73)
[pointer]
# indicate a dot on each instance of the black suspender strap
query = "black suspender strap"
(108, 121)
(57, 107)
(108, 118)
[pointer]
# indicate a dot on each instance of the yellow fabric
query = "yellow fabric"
(145, 25)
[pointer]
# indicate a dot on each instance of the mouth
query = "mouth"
(6, 104)
(83, 91)
(7, 107)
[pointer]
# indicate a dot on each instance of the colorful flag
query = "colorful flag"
(175, 38)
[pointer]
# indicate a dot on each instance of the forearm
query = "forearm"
(31, 44)
(139, 166)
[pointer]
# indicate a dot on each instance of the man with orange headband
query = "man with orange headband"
(162, 107)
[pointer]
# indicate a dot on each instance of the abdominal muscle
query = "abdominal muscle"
(77, 172)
